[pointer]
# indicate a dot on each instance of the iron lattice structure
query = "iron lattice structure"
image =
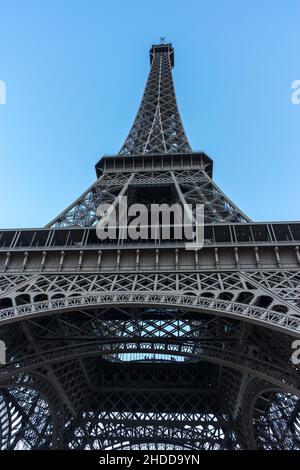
(144, 344)
(157, 127)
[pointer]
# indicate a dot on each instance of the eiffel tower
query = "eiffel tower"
(143, 344)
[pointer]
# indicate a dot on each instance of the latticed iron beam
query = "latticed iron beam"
(157, 127)
(151, 348)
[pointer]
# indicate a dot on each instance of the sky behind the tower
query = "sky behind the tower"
(75, 72)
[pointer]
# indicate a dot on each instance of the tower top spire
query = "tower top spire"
(157, 128)
(160, 49)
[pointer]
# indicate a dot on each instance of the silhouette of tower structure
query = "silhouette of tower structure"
(143, 344)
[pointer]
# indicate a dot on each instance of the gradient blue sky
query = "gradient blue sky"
(75, 72)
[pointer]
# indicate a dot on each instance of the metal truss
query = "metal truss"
(274, 319)
(83, 212)
(284, 283)
(271, 417)
(152, 333)
(274, 290)
(193, 355)
(110, 401)
(194, 187)
(157, 127)
(200, 189)
(30, 413)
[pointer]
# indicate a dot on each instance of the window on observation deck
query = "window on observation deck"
(282, 232)
(260, 233)
(25, 238)
(222, 234)
(6, 238)
(60, 238)
(75, 238)
(40, 238)
(243, 233)
(295, 229)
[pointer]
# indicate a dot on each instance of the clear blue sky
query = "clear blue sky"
(75, 71)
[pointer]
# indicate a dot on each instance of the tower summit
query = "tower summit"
(157, 128)
(143, 344)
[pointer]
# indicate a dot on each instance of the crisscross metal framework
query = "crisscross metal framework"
(157, 127)
(128, 346)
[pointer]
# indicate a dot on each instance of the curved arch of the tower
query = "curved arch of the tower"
(126, 344)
